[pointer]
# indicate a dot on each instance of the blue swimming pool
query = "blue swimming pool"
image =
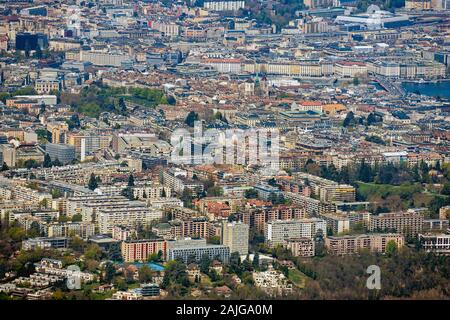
(151, 265)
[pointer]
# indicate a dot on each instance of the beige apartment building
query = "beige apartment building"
(353, 244)
(235, 236)
(311, 4)
(301, 247)
(405, 223)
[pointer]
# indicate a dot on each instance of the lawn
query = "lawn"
(206, 281)
(405, 191)
(297, 277)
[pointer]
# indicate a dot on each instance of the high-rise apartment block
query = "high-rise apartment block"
(277, 232)
(235, 236)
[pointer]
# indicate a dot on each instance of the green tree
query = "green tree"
(38, 53)
(122, 106)
(77, 218)
(255, 261)
(30, 163)
(34, 230)
(93, 252)
(191, 118)
(4, 167)
(215, 191)
(93, 184)
(171, 100)
(110, 272)
(391, 248)
(446, 189)
(186, 197)
(47, 161)
(145, 274)
(57, 163)
(191, 259)
(349, 119)
(205, 262)
(235, 263)
(131, 181)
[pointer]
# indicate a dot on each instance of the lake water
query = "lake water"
(433, 89)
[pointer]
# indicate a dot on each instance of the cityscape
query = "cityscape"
(224, 150)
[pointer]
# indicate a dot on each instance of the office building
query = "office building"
(30, 42)
(63, 152)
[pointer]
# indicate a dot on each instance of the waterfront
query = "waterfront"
(433, 89)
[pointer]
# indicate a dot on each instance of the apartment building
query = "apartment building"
(311, 205)
(337, 223)
(58, 131)
(301, 247)
(257, 218)
(83, 230)
(305, 68)
(99, 58)
(433, 225)
(235, 236)
(27, 194)
(266, 191)
(272, 282)
(214, 252)
(418, 4)
(405, 223)
(352, 244)
(48, 85)
(328, 190)
(15, 156)
(45, 243)
(45, 215)
(151, 191)
(130, 217)
(195, 227)
(74, 205)
(224, 5)
(438, 243)
(224, 65)
(278, 231)
(122, 233)
(311, 4)
(178, 181)
(350, 69)
(166, 28)
(88, 142)
(128, 141)
(141, 250)
(160, 203)
(407, 69)
(89, 211)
